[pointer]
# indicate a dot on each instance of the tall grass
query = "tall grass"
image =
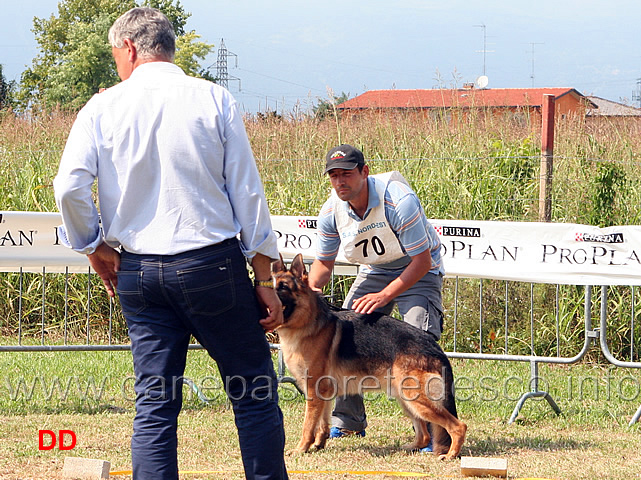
(29, 153)
(474, 167)
(483, 169)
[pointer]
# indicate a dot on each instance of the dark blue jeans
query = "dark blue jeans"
(208, 294)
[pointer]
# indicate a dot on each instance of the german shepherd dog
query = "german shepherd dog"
(332, 351)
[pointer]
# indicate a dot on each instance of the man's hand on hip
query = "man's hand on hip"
(106, 262)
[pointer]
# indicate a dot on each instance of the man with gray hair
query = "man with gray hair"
(181, 209)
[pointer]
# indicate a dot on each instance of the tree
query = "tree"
(75, 59)
(188, 50)
(6, 91)
(326, 108)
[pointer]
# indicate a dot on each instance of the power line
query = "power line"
(223, 76)
(280, 79)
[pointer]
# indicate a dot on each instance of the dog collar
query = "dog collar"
(264, 283)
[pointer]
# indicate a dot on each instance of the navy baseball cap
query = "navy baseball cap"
(345, 157)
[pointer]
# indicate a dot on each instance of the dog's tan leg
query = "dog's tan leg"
(315, 424)
(421, 434)
(456, 429)
(313, 414)
(421, 394)
(322, 431)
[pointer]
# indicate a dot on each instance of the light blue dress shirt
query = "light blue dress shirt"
(174, 166)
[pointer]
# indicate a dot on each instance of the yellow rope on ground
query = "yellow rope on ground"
(363, 472)
(328, 472)
(332, 472)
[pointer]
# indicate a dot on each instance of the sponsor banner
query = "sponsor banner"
(561, 253)
(29, 240)
(532, 252)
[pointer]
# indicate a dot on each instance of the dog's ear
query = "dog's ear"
(298, 267)
(278, 265)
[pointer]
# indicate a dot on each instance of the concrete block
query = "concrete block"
(85, 468)
(483, 467)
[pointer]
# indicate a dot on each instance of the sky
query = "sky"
(288, 55)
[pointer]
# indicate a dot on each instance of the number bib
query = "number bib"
(371, 241)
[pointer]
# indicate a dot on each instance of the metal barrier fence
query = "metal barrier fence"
(603, 340)
(466, 335)
(592, 337)
(63, 343)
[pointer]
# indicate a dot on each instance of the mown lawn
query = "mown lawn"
(91, 394)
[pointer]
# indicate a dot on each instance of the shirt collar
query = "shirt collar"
(153, 68)
(372, 201)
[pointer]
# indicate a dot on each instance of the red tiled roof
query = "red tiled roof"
(441, 98)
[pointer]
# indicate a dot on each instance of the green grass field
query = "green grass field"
(91, 393)
(486, 168)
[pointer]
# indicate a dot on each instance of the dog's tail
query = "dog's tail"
(441, 440)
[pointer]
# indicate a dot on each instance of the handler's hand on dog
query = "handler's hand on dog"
(106, 262)
(370, 302)
(271, 306)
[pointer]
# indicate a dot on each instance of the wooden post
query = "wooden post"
(547, 159)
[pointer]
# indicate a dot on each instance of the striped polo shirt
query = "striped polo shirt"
(405, 216)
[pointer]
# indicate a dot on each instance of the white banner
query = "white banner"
(29, 240)
(532, 252)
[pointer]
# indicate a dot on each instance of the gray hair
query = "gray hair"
(149, 30)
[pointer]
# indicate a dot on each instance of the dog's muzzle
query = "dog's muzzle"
(289, 304)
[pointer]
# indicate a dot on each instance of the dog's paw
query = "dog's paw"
(446, 457)
(298, 450)
(305, 449)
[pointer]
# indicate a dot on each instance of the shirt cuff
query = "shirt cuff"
(86, 250)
